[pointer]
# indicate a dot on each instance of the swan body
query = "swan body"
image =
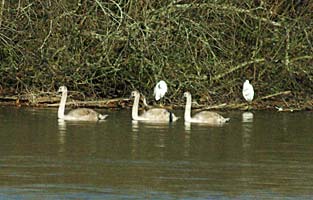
(247, 91)
(159, 90)
(206, 117)
(151, 115)
(80, 114)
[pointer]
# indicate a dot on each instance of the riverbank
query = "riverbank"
(284, 101)
(207, 48)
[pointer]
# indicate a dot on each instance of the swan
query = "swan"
(80, 114)
(159, 90)
(247, 91)
(152, 115)
(206, 117)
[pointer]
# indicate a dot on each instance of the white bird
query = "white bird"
(247, 91)
(205, 117)
(80, 114)
(151, 115)
(159, 90)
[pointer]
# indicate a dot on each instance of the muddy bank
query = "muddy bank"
(282, 101)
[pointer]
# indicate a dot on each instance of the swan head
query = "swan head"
(135, 93)
(186, 94)
(62, 89)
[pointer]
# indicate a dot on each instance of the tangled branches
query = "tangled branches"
(108, 48)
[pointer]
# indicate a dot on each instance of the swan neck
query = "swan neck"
(135, 107)
(62, 105)
(188, 109)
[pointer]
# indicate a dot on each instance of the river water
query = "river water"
(258, 155)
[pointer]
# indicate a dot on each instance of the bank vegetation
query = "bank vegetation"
(107, 48)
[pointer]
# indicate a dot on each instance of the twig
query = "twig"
(276, 94)
(300, 58)
(47, 37)
(110, 13)
(219, 76)
(1, 11)
(287, 49)
(223, 105)
(230, 8)
(110, 103)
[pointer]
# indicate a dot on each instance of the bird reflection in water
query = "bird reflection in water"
(142, 130)
(134, 146)
(187, 127)
(187, 139)
(62, 134)
(247, 119)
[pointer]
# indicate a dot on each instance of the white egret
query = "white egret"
(247, 91)
(159, 90)
(151, 115)
(205, 117)
(80, 114)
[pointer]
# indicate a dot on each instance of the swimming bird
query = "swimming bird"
(151, 115)
(205, 117)
(247, 91)
(159, 90)
(80, 114)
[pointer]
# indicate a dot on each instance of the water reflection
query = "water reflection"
(187, 144)
(156, 132)
(134, 145)
(62, 135)
(68, 129)
(247, 125)
(135, 126)
(187, 126)
(247, 117)
(249, 158)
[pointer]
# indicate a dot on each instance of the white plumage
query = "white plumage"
(159, 90)
(247, 91)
